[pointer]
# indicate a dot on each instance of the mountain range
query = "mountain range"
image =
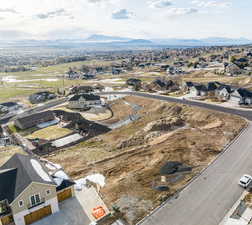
(172, 41)
(99, 41)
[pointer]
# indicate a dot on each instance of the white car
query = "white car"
(245, 180)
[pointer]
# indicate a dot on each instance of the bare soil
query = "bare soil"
(165, 132)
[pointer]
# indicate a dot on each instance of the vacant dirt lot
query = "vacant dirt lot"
(135, 153)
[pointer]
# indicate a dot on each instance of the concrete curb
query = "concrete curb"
(176, 194)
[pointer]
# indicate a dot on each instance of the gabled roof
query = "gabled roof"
(35, 117)
(211, 86)
(244, 93)
(132, 81)
(227, 87)
(189, 84)
(200, 87)
(7, 183)
(9, 104)
(18, 173)
(88, 97)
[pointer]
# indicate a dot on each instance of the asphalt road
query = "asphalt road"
(207, 199)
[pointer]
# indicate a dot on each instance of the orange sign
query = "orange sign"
(98, 212)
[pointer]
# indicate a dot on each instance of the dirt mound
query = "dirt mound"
(166, 124)
(152, 130)
(164, 108)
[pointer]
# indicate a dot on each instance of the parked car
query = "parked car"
(245, 180)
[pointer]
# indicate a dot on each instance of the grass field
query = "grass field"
(12, 92)
(55, 70)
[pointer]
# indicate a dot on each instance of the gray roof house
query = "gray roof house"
(241, 96)
(32, 120)
(84, 101)
(223, 92)
(28, 192)
(198, 90)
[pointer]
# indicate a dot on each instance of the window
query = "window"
(35, 199)
(48, 192)
(21, 203)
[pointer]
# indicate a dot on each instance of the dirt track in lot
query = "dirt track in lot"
(147, 144)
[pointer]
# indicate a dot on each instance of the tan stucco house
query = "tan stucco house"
(84, 101)
(28, 192)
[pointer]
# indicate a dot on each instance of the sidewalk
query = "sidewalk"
(238, 214)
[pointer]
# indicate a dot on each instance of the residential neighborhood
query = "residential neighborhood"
(125, 112)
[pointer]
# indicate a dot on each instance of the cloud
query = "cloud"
(52, 14)
(95, 1)
(214, 4)
(8, 10)
(122, 14)
(181, 11)
(160, 3)
(103, 1)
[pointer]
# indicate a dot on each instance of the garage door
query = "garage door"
(64, 195)
(37, 215)
(6, 220)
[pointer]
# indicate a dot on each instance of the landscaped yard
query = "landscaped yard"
(50, 133)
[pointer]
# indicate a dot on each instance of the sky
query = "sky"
(149, 19)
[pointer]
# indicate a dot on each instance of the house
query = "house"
(186, 86)
(223, 92)
(232, 69)
(28, 192)
(198, 90)
(211, 88)
(88, 76)
(84, 101)
(241, 96)
(174, 71)
(163, 85)
(41, 97)
(81, 89)
(72, 75)
(11, 106)
(134, 83)
(32, 120)
(116, 71)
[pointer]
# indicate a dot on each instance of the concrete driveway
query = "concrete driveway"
(71, 213)
(76, 210)
(89, 199)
